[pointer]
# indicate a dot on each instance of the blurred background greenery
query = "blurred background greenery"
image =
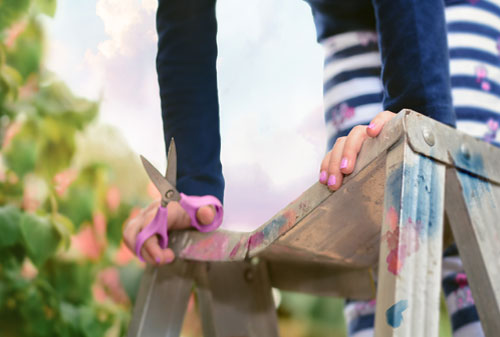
(66, 191)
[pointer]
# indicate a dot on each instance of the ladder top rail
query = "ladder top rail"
(424, 135)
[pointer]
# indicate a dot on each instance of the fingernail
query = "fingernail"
(332, 180)
(158, 260)
(343, 163)
(371, 126)
(322, 177)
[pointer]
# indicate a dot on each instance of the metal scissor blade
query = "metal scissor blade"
(172, 163)
(157, 178)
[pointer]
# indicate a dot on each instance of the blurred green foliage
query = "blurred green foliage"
(63, 268)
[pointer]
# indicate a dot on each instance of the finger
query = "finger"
(132, 228)
(136, 224)
(352, 146)
(206, 214)
(378, 123)
(323, 174)
(177, 217)
(334, 175)
(146, 256)
(154, 250)
(168, 256)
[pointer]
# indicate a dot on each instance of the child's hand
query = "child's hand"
(177, 219)
(341, 158)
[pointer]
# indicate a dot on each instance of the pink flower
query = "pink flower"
(13, 33)
(11, 131)
(113, 198)
(63, 180)
(492, 124)
(366, 38)
(485, 85)
(480, 73)
(87, 243)
(100, 224)
(30, 201)
(28, 270)
(123, 255)
(461, 280)
(29, 88)
(108, 285)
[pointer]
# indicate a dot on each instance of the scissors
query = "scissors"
(166, 186)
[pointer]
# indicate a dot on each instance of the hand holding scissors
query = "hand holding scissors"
(166, 186)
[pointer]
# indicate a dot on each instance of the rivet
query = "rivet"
(428, 137)
(465, 151)
(254, 261)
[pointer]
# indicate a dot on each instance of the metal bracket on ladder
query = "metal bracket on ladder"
(388, 216)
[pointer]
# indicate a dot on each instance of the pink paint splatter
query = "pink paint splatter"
(255, 240)
(212, 248)
(290, 221)
(235, 249)
(402, 241)
(393, 218)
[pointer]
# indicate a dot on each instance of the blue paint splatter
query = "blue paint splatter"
(394, 187)
(274, 227)
(421, 195)
(394, 314)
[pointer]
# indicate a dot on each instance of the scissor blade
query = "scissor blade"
(157, 178)
(172, 163)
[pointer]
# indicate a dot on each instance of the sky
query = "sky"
(270, 71)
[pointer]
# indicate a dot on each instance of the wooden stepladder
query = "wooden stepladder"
(387, 217)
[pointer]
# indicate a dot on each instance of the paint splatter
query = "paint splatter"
(235, 249)
(275, 228)
(394, 314)
(255, 240)
(289, 217)
(402, 241)
(393, 218)
(212, 248)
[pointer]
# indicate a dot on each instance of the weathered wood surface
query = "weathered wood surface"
(223, 245)
(472, 207)
(236, 300)
(409, 268)
(151, 316)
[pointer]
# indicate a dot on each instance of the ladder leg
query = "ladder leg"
(409, 269)
(472, 207)
(162, 300)
(236, 300)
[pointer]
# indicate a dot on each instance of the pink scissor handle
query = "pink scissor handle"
(191, 204)
(156, 227)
